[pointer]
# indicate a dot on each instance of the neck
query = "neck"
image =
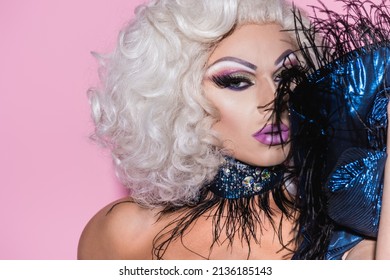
(236, 179)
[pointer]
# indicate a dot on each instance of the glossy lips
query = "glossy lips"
(271, 135)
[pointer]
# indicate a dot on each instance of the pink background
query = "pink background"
(53, 179)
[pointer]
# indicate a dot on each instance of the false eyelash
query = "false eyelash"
(228, 80)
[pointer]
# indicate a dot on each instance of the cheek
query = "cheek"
(231, 116)
(236, 119)
(233, 112)
(231, 108)
(224, 126)
(232, 127)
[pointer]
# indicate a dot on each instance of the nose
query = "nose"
(265, 95)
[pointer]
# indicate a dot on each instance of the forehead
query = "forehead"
(260, 43)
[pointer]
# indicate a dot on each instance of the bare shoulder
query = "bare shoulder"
(364, 250)
(121, 230)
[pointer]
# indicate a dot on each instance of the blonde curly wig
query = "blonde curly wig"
(151, 111)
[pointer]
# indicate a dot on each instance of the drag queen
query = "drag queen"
(185, 107)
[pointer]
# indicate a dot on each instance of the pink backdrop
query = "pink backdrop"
(53, 179)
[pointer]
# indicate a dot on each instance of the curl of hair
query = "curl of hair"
(151, 111)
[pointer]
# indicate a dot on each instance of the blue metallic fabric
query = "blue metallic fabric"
(345, 101)
(341, 242)
(236, 179)
(354, 190)
(339, 122)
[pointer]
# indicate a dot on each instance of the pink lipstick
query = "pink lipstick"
(272, 134)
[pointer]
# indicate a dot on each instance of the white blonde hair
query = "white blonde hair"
(151, 110)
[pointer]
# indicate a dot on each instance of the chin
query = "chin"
(270, 157)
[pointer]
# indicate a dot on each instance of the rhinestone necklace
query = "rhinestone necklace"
(236, 179)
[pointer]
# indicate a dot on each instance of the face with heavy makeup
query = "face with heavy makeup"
(241, 79)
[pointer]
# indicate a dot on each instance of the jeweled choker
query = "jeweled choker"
(236, 179)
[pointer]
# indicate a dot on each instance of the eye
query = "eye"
(290, 62)
(285, 73)
(278, 77)
(233, 81)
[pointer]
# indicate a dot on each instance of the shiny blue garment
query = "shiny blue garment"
(354, 190)
(341, 242)
(345, 101)
(339, 119)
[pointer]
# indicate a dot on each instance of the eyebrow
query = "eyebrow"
(235, 59)
(283, 56)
